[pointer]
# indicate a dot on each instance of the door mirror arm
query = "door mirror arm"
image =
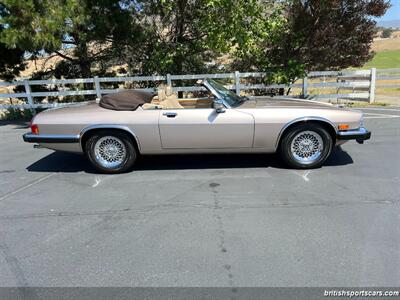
(219, 106)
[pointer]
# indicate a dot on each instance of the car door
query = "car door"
(205, 128)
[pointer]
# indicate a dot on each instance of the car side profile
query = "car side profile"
(304, 132)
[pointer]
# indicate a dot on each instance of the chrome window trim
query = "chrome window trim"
(215, 93)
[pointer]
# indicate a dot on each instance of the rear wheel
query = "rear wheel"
(306, 146)
(111, 151)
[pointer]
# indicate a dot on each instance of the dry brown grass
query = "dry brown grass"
(3, 90)
(392, 43)
(40, 64)
(388, 91)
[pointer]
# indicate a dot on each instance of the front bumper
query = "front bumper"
(50, 138)
(360, 135)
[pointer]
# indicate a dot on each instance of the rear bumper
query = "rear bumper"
(50, 138)
(360, 135)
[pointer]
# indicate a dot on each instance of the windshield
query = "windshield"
(228, 96)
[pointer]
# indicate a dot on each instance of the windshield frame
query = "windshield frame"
(229, 98)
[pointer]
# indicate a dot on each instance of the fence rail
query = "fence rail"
(385, 75)
(362, 84)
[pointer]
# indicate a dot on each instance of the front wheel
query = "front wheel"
(306, 146)
(111, 152)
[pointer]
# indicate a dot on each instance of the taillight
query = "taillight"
(34, 129)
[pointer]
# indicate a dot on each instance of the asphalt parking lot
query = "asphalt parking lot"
(204, 220)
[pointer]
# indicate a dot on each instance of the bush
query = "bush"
(14, 114)
(386, 33)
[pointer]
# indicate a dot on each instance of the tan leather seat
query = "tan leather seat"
(151, 106)
(161, 95)
(171, 102)
(165, 99)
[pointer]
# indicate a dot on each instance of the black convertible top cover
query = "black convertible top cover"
(125, 100)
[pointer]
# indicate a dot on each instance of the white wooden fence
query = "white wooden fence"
(361, 83)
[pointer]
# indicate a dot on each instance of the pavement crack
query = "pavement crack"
(15, 268)
(13, 265)
(220, 226)
(22, 188)
(7, 171)
(75, 214)
(215, 207)
(221, 233)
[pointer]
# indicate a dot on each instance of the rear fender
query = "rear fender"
(88, 129)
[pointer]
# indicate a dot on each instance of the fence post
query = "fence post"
(169, 81)
(237, 82)
(372, 86)
(97, 88)
(28, 93)
(305, 87)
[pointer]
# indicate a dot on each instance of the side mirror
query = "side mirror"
(219, 106)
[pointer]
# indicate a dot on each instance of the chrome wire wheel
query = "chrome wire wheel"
(110, 152)
(306, 147)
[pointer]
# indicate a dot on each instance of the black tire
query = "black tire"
(127, 160)
(286, 143)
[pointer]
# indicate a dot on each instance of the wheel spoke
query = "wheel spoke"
(307, 147)
(110, 152)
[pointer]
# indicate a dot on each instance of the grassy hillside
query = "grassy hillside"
(384, 60)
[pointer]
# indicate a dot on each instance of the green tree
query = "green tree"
(148, 36)
(317, 35)
(81, 32)
(284, 38)
(188, 36)
(11, 60)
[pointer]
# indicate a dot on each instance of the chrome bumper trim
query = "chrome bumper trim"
(50, 138)
(360, 134)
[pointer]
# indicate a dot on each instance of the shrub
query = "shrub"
(386, 33)
(14, 114)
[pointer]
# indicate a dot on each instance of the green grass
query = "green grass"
(385, 60)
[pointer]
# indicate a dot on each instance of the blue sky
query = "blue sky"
(393, 13)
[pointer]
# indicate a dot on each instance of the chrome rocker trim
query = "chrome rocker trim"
(360, 135)
(50, 138)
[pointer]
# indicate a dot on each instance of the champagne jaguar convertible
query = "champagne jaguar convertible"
(122, 126)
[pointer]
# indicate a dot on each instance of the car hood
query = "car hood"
(285, 102)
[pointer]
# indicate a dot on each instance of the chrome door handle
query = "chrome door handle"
(170, 114)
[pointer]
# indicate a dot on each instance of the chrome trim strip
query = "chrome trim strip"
(360, 134)
(303, 100)
(301, 119)
(215, 92)
(51, 138)
(360, 131)
(108, 126)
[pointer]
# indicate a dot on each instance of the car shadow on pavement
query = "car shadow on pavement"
(69, 162)
(338, 157)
